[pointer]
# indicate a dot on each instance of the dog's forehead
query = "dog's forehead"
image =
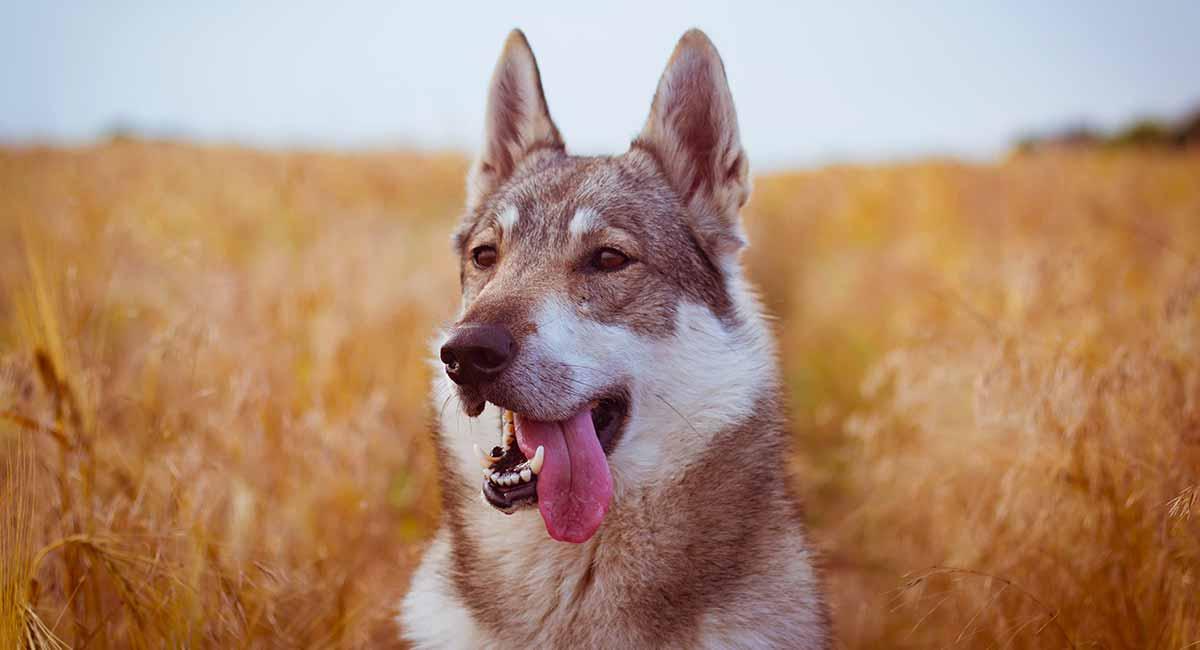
(551, 203)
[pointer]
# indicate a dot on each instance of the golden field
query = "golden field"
(214, 429)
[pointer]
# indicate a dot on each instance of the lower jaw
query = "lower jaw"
(509, 479)
(511, 500)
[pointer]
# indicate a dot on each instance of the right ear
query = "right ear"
(517, 121)
(692, 132)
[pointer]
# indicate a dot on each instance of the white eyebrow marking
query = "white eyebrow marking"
(508, 218)
(585, 220)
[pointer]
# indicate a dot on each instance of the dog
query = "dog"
(612, 443)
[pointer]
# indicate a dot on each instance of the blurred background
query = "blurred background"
(223, 250)
(813, 83)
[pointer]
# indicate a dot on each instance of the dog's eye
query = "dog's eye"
(609, 259)
(484, 256)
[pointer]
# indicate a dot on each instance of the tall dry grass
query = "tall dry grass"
(1005, 364)
(212, 360)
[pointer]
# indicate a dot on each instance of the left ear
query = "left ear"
(692, 132)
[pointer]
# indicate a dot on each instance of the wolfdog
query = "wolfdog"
(612, 445)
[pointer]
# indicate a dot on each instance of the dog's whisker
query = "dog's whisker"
(677, 412)
(445, 403)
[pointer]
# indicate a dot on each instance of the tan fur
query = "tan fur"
(702, 545)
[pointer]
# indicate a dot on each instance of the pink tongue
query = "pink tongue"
(574, 486)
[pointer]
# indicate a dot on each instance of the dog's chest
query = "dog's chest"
(565, 596)
(541, 593)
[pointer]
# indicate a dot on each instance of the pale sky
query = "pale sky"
(813, 82)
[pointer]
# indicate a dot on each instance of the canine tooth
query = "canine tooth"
(539, 456)
(526, 475)
(485, 460)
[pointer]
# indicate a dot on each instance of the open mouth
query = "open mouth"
(561, 466)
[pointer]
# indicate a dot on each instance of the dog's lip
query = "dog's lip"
(473, 405)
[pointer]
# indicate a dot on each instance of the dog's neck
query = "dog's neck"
(665, 552)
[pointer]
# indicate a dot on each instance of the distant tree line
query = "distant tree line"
(1146, 132)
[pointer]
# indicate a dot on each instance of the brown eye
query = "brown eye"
(484, 256)
(610, 259)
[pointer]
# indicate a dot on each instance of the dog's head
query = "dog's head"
(604, 322)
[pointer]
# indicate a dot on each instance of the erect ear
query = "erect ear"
(517, 121)
(692, 132)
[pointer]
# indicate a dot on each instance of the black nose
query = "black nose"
(476, 353)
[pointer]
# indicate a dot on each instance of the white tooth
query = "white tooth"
(495, 477)
(506, 480)
(535, 465)
(526, 475)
